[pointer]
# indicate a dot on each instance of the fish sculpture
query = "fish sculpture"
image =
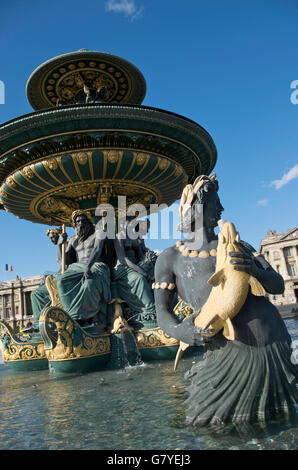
(229, 291)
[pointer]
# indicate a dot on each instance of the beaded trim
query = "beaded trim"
(163, 285)
(194, 253)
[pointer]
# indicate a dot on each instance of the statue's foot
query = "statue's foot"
(29, 330)
(29, 334)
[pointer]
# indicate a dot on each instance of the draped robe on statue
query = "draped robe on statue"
(81, 299)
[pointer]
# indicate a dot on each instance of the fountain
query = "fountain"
(89, 141)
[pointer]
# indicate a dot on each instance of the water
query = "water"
(137, 408)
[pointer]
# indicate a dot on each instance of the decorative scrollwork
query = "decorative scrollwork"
(14, 350)
(70, 340)
(153, 338)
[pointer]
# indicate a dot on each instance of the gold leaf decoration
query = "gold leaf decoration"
(10, 182)
(113, 156)
(163, 163)
(27, 171)
(141, 157)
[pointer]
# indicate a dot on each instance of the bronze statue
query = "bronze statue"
(54, 234)
(84, 288)
(251, 377)
(131, 282)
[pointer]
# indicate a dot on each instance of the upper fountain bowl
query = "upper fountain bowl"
(67, 78)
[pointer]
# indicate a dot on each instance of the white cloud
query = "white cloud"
(127, 7)
(286, 178)
(262, 202)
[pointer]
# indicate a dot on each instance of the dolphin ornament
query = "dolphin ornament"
(229, 291)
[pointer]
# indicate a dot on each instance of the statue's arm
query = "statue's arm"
(120, 252)
(95, 255)
(167, 320)
(70, 253)
(258, 267)
(140, 251)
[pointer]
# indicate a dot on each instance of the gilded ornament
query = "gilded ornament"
(155, 337)
(51, 285)
(141, 157)
(10, 182)
(81, 157)
(67, 346)
(178, 170)
(51, 163)
(163, 163)
(15, 350)
(113, 155)
(27, 171)
(3, 192)
(59, 209)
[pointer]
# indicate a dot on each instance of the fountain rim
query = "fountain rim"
(103, 105)
(33, 127)
(10, 130)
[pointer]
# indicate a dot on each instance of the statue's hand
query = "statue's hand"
(244, 261)
(87, 274)
(62, 238)
(193, 335)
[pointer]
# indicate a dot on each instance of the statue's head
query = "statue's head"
(53, 234)
(82, 223)
(203, 194)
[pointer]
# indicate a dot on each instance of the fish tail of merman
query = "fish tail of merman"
(182, 347)
(228, 330)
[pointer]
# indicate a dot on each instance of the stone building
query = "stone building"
(281, 251)
(15, 301)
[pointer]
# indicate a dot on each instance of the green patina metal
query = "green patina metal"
(88, 142)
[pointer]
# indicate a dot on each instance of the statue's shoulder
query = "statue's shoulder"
(72, 240)
(167, 256)
(164, 266)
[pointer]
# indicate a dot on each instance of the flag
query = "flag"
(8, 267)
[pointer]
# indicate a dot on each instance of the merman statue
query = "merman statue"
(147, 257)
(131, 282)
(246, 374)
(84, 288)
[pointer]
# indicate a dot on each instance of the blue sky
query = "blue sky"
(226, 64)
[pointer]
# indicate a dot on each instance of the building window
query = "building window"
(28, 304)
(291, 270)
(287, 251)
(277, 268)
